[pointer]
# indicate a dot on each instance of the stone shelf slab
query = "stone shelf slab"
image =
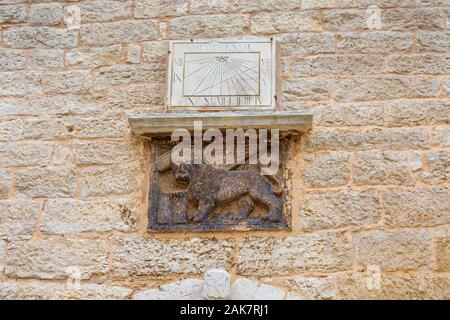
(165, 123)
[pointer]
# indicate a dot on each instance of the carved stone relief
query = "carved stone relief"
(202, 197)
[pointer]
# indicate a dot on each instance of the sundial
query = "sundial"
(224, 75)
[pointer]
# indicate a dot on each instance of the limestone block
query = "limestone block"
(217, 284)
(394, 250)
(18, 218)
(326, 170)
(244, 289)
(75, 216)
(319, 252)
(382, 168)
(347, 140)
(15, 290)
(11, 59)
(45, 14)
(25, 154)
(139, 257)
(414, 208)
(212, 26)
(338, 209)
(46, 182)
(94, 57)
(189, 289)
(51, 258)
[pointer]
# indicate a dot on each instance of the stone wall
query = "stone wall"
(371, 214)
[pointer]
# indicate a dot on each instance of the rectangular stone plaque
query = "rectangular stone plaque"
(222, 75)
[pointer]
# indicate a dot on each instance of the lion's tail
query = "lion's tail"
(277, 184)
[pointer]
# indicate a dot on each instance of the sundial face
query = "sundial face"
(223, 75)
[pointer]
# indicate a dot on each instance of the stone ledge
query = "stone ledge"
(166, 123)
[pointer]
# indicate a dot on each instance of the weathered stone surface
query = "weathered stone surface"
(94, 57)
(418, 112)
(299, 89)
(101, 181)
(106, 152)
(40, 37)
(433, 41)
(54, 82)
(188, 289)
(2, 256)
(442, 136)
(326, 170)
(313, 288)
(336, 64)
(46, 59)
(446, 85)
(259, 5)
(139, 257)
(382, 168)
(62, 156)
(13, 13)
(322, 252)
(134, 53)
(414, 208)
(344, 20)
(5, 184)
(155, 51)
(14, 290)
(385, 88)
(395, 250)
(45, 14)
(419, 64)
(217, 284)
(394, 287)
(75, 216)
(213, 26)
(25, 154)
(51, 105)
(104, 10)
(46, 182)
(285, 22)
(347, 140)
(74, 127)
(18, 219)
(137, 96)
(11, 59)
(355, 286)
(210, 6)
(326, 4)
(374, 42)
(353, 114)
(11, 130)
(438, 169)
(65, 81)
(160, 8)
(432, 3)
(412, 19)
(442, 250)
(338, 209)
(105, 34)
(18, 84)
(128, 74)
(307, 43)
(49, 259)
(244, 289)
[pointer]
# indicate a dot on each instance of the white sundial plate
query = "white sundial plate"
(222, 75)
